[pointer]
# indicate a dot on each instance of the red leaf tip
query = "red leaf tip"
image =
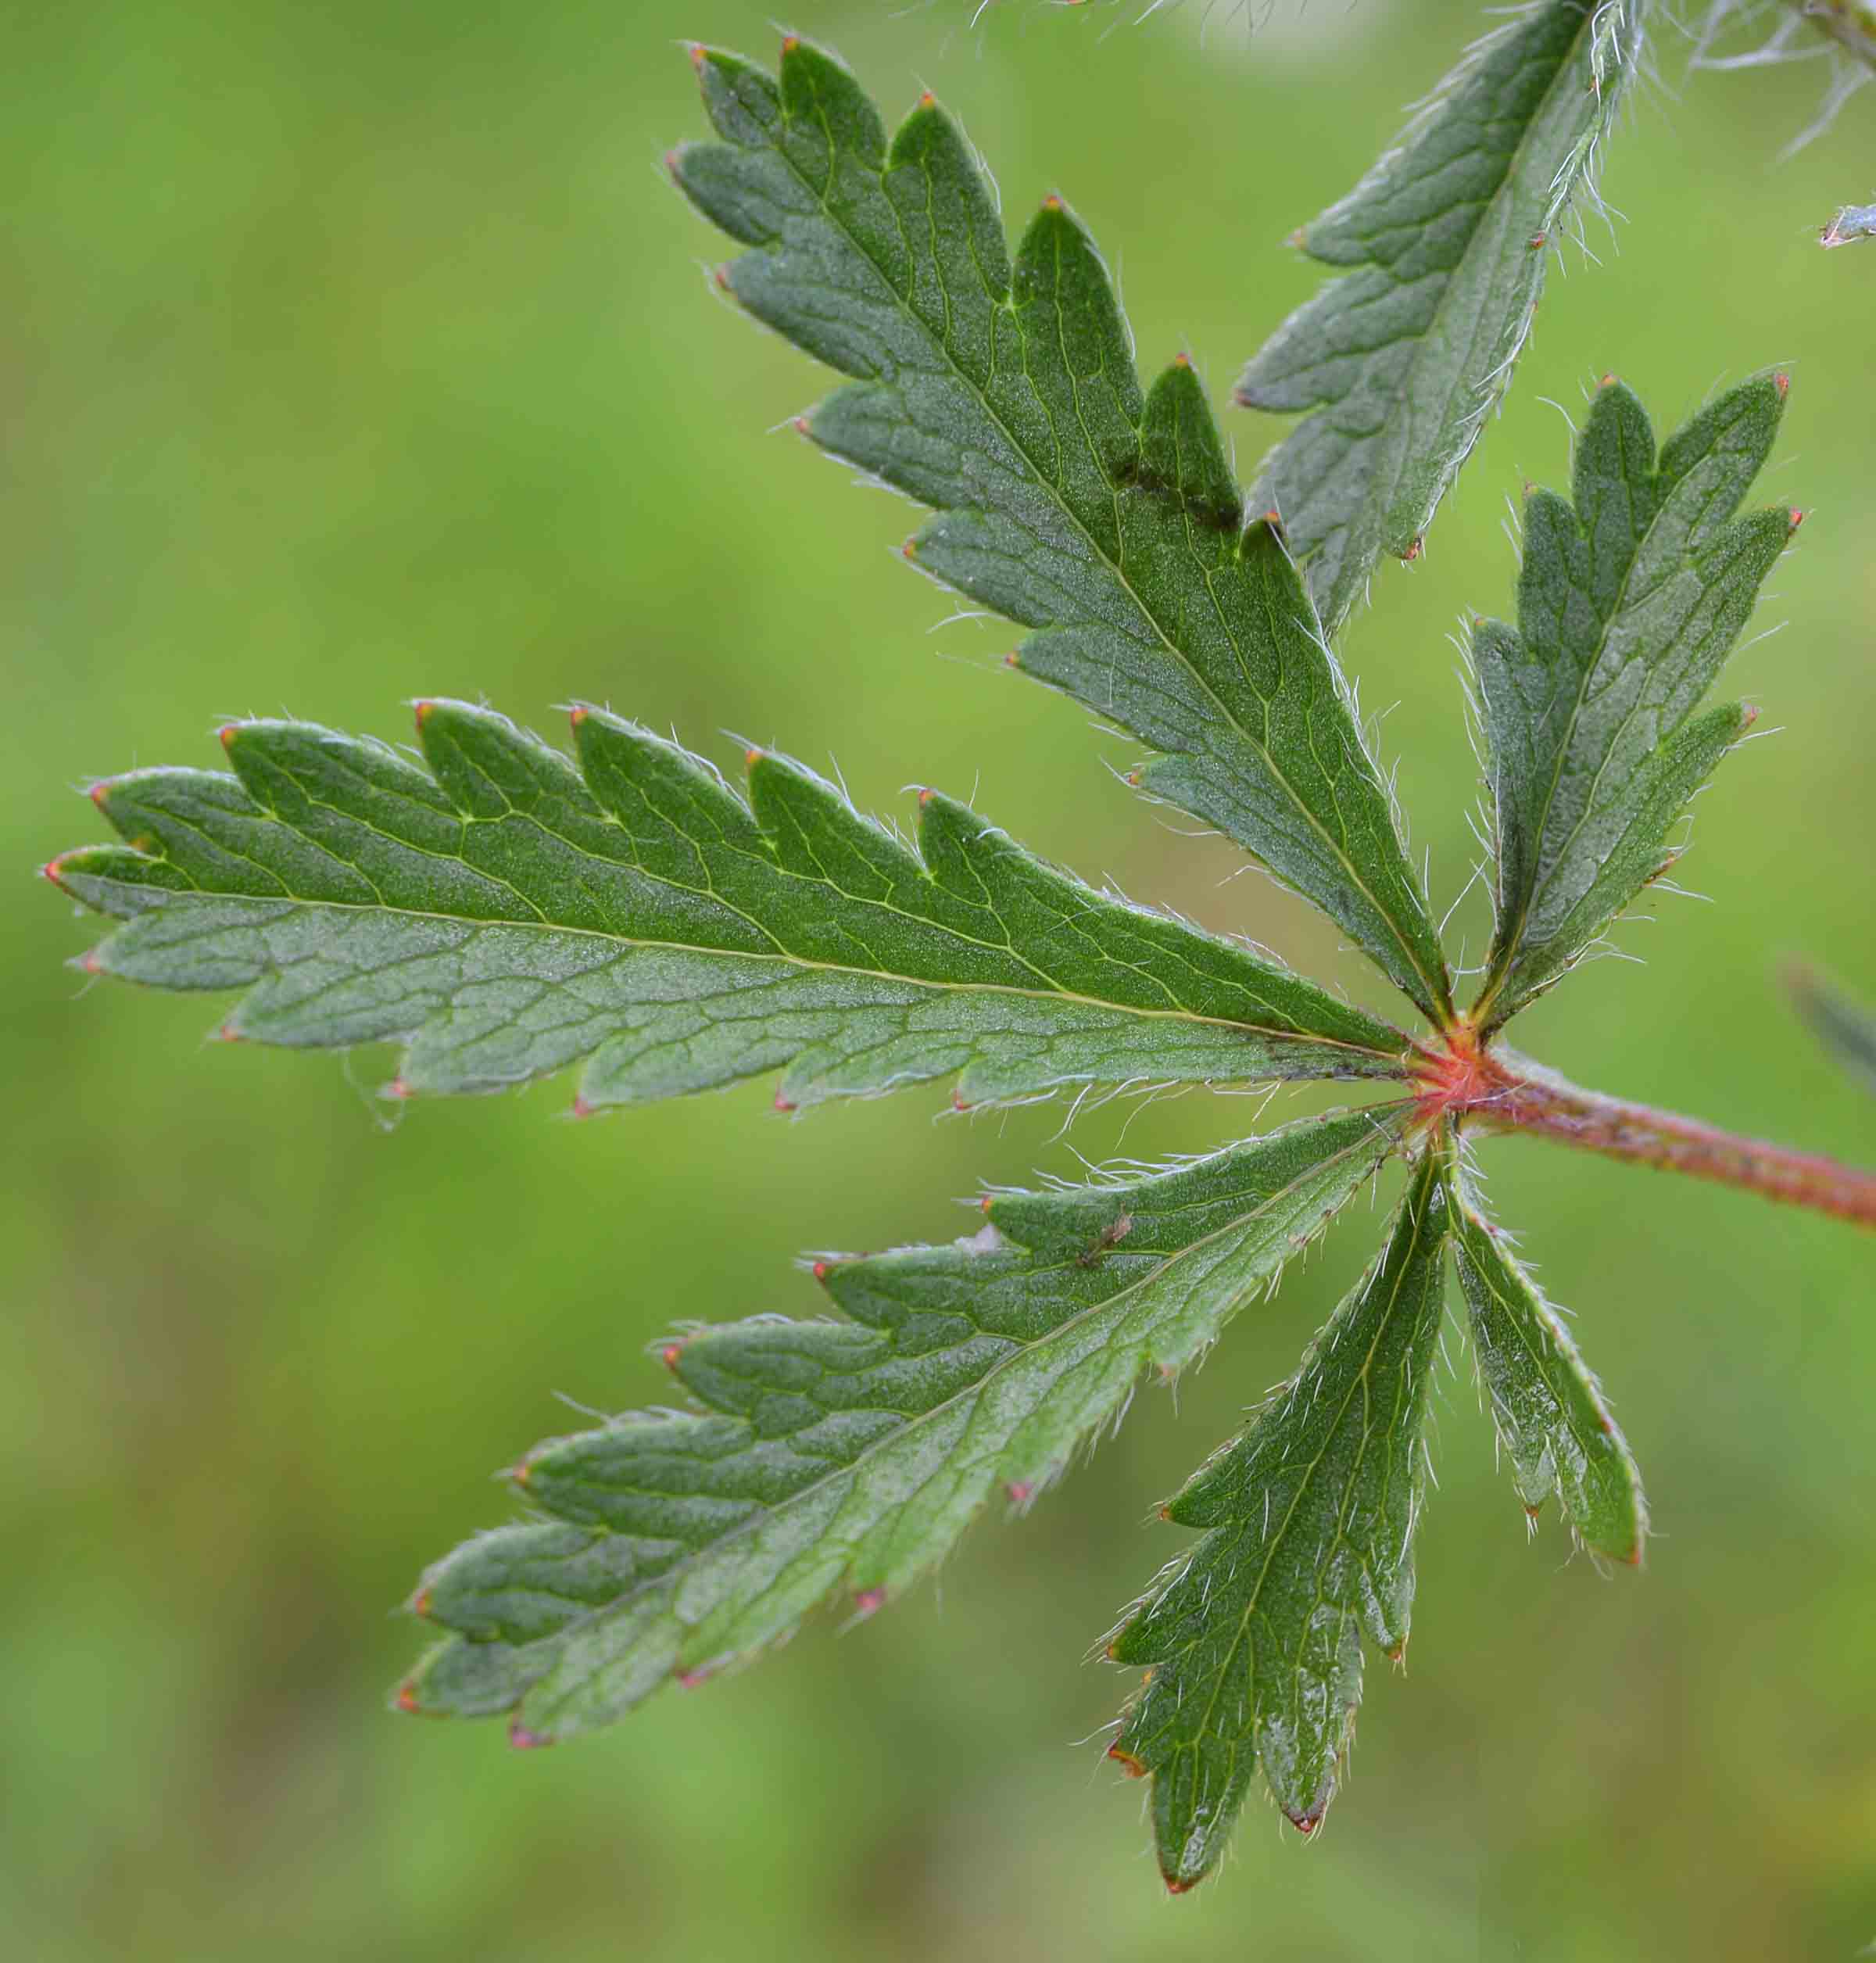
(1182, 360)
(1128, 1764)
(928, 100)
(869, 1601)
(1012, 659)
(420, 1602)
(1782, 383)
(98, 792)
(225, 735)
(696, 50)
(790, 43)
(1182, 1884)
(407, 1699)
(1416, 546)
(524, 1740)
(581, 1108)
(670, 1354)
(422, 709)
(1051, 203)
(925, 796)
(1608, 381)
(819, 1270)
(1795, 516)
(1537, 241)
(784, 1102)
(1019, 1490)
(397, 1089)
(720, 275)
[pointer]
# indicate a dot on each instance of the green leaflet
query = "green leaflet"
(1007, 399)
(504, 914)
(854, 1453)
(1628, 605)
(1548, 1409)
(1254, 1639)
(1401, 359)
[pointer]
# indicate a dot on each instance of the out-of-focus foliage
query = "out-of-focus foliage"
(357, 349)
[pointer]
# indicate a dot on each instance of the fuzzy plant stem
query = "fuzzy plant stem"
(1527, 1100)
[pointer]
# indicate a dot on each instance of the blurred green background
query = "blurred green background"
(354, 352)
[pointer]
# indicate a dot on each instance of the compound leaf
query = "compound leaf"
(1548, 1409)
(1253, 1639)
(1401, 359)
(1006, 397)
(854, 1453)
(504, 914)
(1629, 599)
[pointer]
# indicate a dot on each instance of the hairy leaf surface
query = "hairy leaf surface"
(1254, 1639)
(854, 1453)
(1401, 359)
(504, 914)
(1006, 397)
(1549, 1410)
(1629, 599)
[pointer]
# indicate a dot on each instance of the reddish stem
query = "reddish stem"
(1505, 1094)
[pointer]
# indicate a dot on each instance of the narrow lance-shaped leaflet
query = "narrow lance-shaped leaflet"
(1552, 1418)
(1253, 1641)
(504, 913)
(1400, 360)
(852, 1455)
(1630, 598)
(1006, 397)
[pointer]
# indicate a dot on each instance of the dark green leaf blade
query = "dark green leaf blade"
(1401, 359)
(1630, 599)
(1548, 1409)
(854, 1454)
(1005, 397)
(503, 914)
(1253, 1639)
